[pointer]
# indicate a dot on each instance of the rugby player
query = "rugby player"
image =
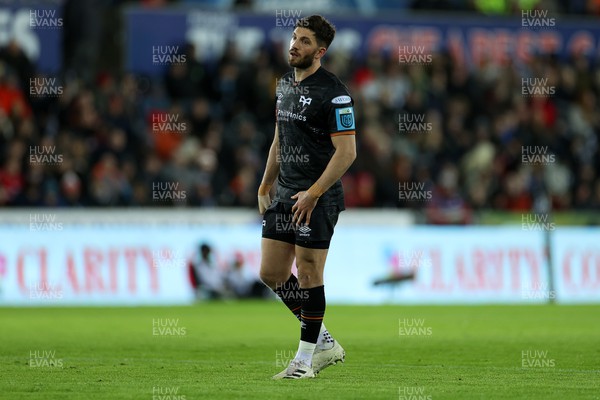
(313, 146)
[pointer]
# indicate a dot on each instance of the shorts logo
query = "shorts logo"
(344, 117)
(341, 100)
(305, 100)
(304, 231)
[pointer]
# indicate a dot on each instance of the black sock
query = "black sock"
(313, 310)
(290, 293)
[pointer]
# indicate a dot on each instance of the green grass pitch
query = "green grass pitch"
(229, 350)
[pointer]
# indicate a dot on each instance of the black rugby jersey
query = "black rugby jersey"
(308, 114)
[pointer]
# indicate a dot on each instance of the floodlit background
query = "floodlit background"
(133, 132)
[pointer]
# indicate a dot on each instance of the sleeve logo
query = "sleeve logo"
(341, 100)
(344, 117)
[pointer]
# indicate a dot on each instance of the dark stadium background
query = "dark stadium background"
(102, 124)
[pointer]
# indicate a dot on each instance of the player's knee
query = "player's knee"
(309, 275)
(272, 279)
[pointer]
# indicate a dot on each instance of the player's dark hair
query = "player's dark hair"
(323, 29)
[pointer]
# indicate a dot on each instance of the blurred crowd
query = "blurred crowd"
(97, 143)
(510, 7)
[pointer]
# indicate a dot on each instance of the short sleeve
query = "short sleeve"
(340, 115)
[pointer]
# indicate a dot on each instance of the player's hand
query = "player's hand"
(303, 208)
(264, 199)
(263, 203)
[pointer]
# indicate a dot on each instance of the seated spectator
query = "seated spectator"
(207, 280)
(242, 283)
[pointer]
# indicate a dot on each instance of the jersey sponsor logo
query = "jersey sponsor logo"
(341, 100)
(305, 100)
(285, 115)
(344, 117)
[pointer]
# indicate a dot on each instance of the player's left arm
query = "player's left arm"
(342, 159)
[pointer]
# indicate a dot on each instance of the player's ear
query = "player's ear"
(320, 53)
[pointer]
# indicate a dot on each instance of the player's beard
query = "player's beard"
(302, 62)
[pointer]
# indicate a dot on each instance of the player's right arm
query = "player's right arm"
(271, 172)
